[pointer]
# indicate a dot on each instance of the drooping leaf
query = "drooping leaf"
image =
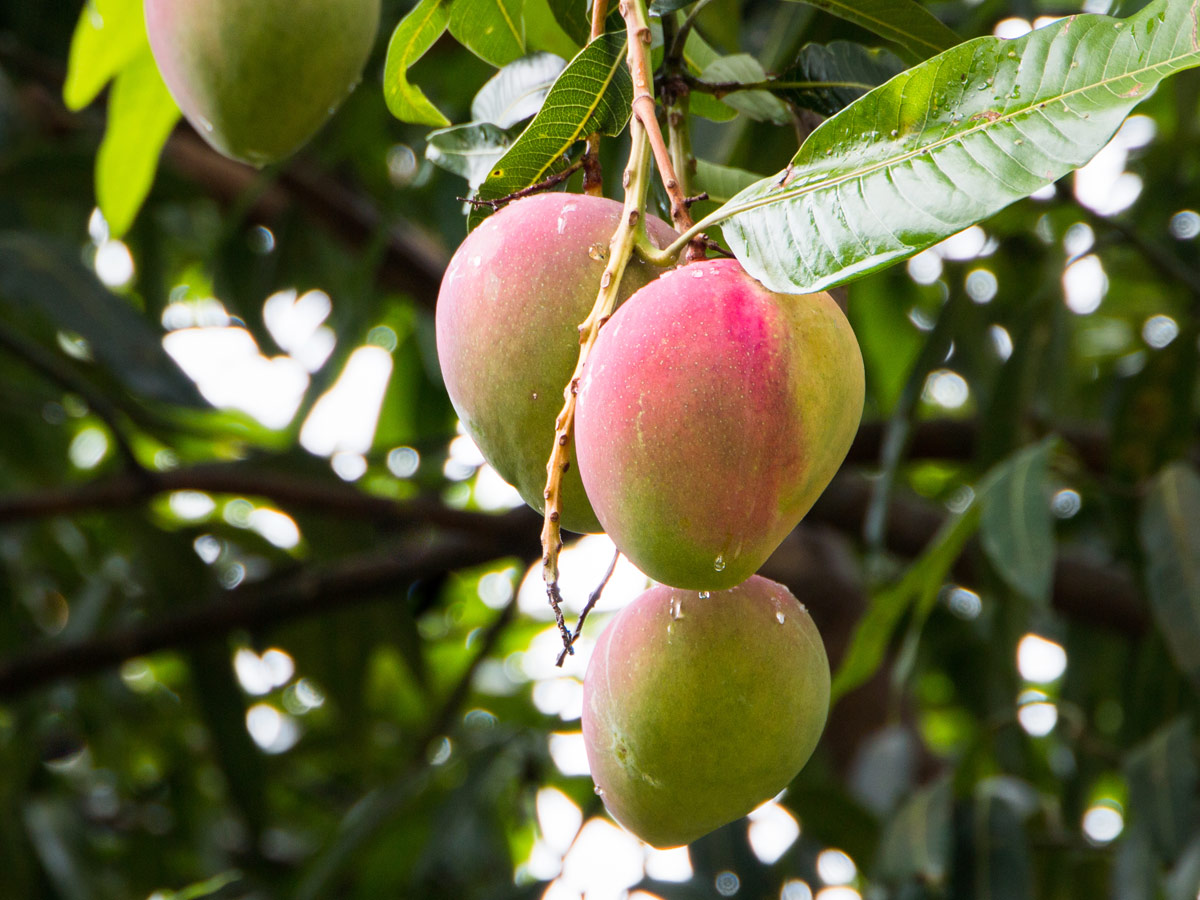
(720, 182)
(415, 34)
(494, 30)
(1001, 867)
(467, 150)
(108, 36)
(904, 22)
(1016, 528)
(659, 7)
(917, 840)
(593, 94)
(46, 287)
(141, 115)
(741, 68)
(517, 91)
(1170, 536)
(827, 78)
(1162, 774)
(1135, 870)
(951, 141)
(544, 32)
(920, 583)
(1183, 881)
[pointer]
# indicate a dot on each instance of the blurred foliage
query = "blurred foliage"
(231, 667)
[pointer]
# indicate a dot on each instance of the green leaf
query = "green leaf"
(741, 68)
(574, 17)
(517, 91)
(108, 35)
(467, 150)
(1016, 528)
(950, 142)
(920, 583)
(494, 30)
(1162, 775)
(1135, 870)
(904, 22)
(1184, 879)
(141, 115)
(592, 94)
(827, 78)
(720, 182)
(916, 841)
(543, 31)
(1002, 867)
(1170, 536)
(45, 281)
(415, 34)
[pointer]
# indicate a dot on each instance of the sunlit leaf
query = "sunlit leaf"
(950, 142)
(517, 91)
(494, 30)
(1170, 535)
(141, 115)
(905, 22)
(592, 94)
(415, 34)
(108, 35)
(1016, 528)
(1162, 773)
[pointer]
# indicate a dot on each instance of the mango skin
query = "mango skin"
(508, 315)
(711, 415)
(696, 708)
(257, 78)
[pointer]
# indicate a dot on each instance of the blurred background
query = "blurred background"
(268, 626)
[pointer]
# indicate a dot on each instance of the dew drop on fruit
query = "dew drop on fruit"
(205, 124)
(719, 563)
(697, 273)
(596, 252)
(599, 791)
(780, 618)
(704, 595)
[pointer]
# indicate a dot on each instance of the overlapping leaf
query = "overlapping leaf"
(467, 150)
(952, 141)
(1016, 529)
(593, 94)
(905, 22)
(517, 91)
(494, 30)
(827, 78)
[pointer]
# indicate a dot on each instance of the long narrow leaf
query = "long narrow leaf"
(905, 22)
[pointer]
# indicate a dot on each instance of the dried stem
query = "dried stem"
(544, 184)
(593, 175)
(630, 231)
(592, 600)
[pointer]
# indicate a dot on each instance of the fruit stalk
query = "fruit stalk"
(630, 232)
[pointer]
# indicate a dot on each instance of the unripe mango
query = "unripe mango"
(257, 78)
(699, 707)
(508, 314)
(711, 415)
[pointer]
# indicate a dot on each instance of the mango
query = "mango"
(507, 322)
(257, 78)
(697, 707)
(711, 415)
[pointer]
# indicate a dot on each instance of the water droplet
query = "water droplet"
(596, 251)
(704, 595)
(1012, 54)
(698, 273)
(719, 562)
(780, 618)
(895, 133)
(599, 791)
(534, 395)
(205, 124)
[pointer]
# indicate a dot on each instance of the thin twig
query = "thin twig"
(543, 185)
(592, 600)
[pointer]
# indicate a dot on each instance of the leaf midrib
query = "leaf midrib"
(926, 149)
